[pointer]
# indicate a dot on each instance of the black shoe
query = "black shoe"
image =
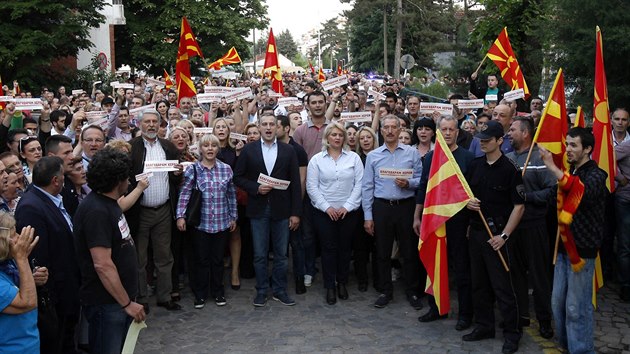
(342, 291)
(300, 288)
(363, 287)
(331, 297)
(431, 316)
(382, 301)
(478, 334)
(199, 303)
(509, 347)
(175, 297)
(463, 324)
(146, 308)
(170, 305)
(414, 301)
(220, 301)
(235, 287)
(545, 329)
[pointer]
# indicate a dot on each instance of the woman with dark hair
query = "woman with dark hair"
(351, 139)
(423, 136)
(162, 108)
(30, 152)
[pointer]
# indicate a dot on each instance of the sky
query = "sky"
(300, 16)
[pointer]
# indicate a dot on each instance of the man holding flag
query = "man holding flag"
(457, 245)
(583, 213)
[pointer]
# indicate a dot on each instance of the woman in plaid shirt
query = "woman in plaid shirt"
(218, 219)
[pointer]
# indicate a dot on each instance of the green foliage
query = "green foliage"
(36, 32)
(284, 40)
(366, 39)
(334, 43)
(150, 39)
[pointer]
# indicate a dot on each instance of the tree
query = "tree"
(150, 39)
(284, 40)
(334, 43)
(37, 32)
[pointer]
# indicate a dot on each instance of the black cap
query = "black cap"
(492, 129)
(107, 100)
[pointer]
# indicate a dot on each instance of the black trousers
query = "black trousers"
(247, 245)
(490, 282)
(363, 246)
(395, 222)
(57, 331)
(459, 262)
(529, 248)
(208, 262)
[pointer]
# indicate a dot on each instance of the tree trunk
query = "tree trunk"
(385, 39)
(398, 40)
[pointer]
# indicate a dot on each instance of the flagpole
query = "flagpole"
(490, 234)
(480, 64)
(555, 250)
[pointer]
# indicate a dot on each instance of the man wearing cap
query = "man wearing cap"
(498, 188)
(504, 115)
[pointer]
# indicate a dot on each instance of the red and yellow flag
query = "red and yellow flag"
(231, 57)
(447, 194)
(188, 48)
(321, 77)
(310, 64)
(603, 152)
(339, 70)
(168, 83)
(580, 121)
(272, 64)
(502, 55)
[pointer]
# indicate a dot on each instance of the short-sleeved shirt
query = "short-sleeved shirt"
(498, 186)
(99, 222)
(19, 332)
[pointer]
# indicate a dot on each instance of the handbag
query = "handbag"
(193, 209)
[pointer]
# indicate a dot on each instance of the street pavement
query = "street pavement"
(350, 326)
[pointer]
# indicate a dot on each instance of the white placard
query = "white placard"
(218, 89)
(7, 99)
(491, 98)
(136, 111)
(442, 108)
(114, 83)
(193, 149)
(144, 175)
(335, 82)
(238, 136)
(77, 92)
(202, 131)
(514, 95)
(392, 173)
(274, 94)
(273, 182)
(154, 82)
(28, 103)
(375, 94)
(98, 82)
(101, 122)
(124, 86)
(356, 117)
(470, 104)
(92, 115)
(209, 97)
(160, 166)
(287, 101)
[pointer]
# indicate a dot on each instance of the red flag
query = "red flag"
(502, 55)
(188, 48)
(231, 57)
(168, 83)
(603, 152)
(272, 64)
(321, 77)
(339, 71)
(447, 194)
(579, 118)
(311, 65)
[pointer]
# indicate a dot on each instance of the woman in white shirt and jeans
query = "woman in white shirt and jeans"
(334, 185)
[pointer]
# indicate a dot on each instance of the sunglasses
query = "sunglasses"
(24, 141)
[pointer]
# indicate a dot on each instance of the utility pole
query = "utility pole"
(254, 50)
(398, 39)
(385, 39)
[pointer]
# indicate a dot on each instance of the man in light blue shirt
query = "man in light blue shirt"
(388, 204)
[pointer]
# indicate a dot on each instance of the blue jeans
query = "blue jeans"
(622, 211)
(262, 228)
(297, 251)
(571, 302)
(108, 327)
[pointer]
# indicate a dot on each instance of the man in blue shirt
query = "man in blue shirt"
(388, 204)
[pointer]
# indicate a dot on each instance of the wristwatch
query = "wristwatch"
(505, 236)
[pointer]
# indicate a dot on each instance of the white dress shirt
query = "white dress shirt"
(335, 183)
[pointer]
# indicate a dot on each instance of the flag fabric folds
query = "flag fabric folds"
(231, 57)
(188, 48)
(320, 76)
(310, 64)
(168, 82)
(272, 64)
(447, 194)
(502, 55)
(580, 121)
(339, 71)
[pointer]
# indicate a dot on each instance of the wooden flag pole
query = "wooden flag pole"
(507, 269)
(555, 250)
(529, 155)
(480, 64)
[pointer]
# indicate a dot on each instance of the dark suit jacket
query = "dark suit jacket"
(138, 156)
(70, 200)
(55, 249)
(251, 164)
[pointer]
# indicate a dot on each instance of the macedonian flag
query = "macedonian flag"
(321, 77)
(188, 48)
(168, 82)
(272, 64)
(580, 121)
(231, 57)
(447, 194)
(502, 55)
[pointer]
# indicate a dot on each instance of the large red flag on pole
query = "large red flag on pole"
(272, 64)
(188, 48)
(231, 57)
(311, 66)
(320, 76)
(447, 193)
(502, 55)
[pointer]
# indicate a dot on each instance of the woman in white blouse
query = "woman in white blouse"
(334, 185)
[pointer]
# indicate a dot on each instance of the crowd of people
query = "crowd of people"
(109, 198)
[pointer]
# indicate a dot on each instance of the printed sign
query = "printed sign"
(376, 94)
(514, 95)
(470, 104)
(287, 101)
(7, 99)
(238, 136)
(160, 166)
(209, 97)
(154, 82)
(442, 108)
(492, 98)
(77, 92)
(273, 182)
(335, 82)
(392, 173)
(144, 175)
(94, 115)
(202, 131)
(119, 85)
(136, 111)
(356, 117)
(101, 122)
(28, 103)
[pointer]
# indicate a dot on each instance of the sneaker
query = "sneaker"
(200, 303)
(260, 300)
(220, 301)
(308, 280)
(382, 301)
(415, 302)
(284, 299)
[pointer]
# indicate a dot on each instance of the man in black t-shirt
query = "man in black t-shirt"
(107, 254)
